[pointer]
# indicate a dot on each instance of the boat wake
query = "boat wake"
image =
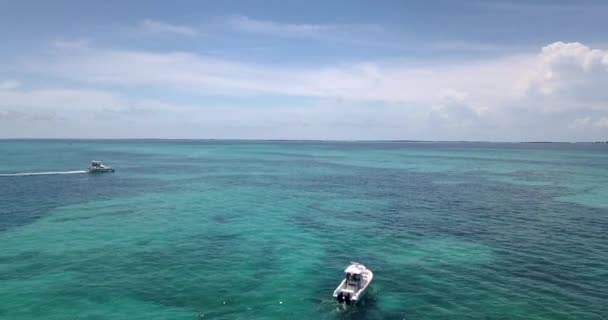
(24, 174)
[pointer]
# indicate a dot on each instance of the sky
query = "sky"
(497, 70)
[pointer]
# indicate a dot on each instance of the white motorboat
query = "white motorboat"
(97, 166)
(357, 278)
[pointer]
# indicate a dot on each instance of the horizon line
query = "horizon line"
(306, 140)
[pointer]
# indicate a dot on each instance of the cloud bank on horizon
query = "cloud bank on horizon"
(237, 73)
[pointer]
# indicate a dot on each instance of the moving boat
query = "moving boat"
(97, 166)
(357, 278)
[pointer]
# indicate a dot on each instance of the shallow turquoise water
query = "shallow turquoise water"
(262, 230)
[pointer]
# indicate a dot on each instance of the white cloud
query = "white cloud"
(520, 97)
(359, 35)
(580, 123)
(73, 44)
(59, 101)
(151, 118)
(246, 24)
(9, 84)
(601, 123)
(482, 82)
(568, 75)
(153, 26)
(588, 123)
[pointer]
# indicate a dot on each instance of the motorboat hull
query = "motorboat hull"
(349, 292)
(100, 170)
(98, 167)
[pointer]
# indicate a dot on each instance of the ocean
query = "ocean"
(263, 229)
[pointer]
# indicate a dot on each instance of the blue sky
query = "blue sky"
(433, 70)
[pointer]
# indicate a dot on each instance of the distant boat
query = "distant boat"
(97, 166)
(357, 278)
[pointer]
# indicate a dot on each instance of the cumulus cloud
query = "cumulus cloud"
(568, 75)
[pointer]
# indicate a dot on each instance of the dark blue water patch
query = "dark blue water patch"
(28, 198)
(521, 223)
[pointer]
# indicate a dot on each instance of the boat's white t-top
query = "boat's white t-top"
(357, 278)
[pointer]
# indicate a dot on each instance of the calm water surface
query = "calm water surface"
(262, 230)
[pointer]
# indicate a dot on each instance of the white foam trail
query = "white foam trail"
(21, 174)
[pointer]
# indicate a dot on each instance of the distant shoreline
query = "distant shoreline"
(299, 140)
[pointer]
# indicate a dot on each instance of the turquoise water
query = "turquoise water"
(263, 230)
